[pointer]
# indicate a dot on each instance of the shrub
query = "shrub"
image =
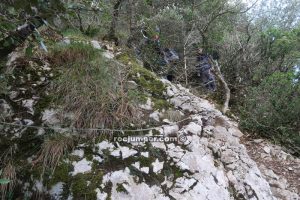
(273, 108)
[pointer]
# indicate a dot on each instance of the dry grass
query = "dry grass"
(9, 172)
(53, 149)
(91, 87)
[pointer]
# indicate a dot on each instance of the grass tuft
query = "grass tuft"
(9, 173)
(53, 149)
(91, 87)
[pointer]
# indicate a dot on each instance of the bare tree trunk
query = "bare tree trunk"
(11, 42)
(185, 65)
(111, 35)
(217, 70)
(185, 48)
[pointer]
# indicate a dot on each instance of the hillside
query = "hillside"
(66, 116)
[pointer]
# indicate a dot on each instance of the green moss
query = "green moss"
(137, 96)
(155, 132)
(107, 188)
(36, 172)
(144, 78)
(84, 185)
(121, 188)
(76, 35)
(148, 82)
(88, 153)
(146, 162)
(43, 103)
(160, 104)
(177, 172)
(172, 170)
(61, 174)
(80, 188)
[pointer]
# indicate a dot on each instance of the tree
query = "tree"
(273, 108)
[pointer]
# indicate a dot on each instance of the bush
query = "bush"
(273, 108)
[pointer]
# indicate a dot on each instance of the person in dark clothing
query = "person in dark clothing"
(204, 70)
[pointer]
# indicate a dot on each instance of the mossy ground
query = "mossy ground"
(148, 83)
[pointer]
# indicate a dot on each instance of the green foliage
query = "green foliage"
(84, 185)
(273, 108)
(281, 42)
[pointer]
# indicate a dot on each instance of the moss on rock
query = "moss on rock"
(84, 185)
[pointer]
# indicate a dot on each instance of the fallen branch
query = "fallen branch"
(218, 73)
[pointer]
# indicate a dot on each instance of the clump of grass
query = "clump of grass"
(53, 149)
(91, 87)
(9, 173)
(65, 55)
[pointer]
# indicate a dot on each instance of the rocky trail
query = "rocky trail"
(213, 161)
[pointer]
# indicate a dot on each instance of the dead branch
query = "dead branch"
(218, 73)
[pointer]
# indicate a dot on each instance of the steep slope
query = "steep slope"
(199, 156)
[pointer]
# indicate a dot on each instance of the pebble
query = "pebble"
(267, 150)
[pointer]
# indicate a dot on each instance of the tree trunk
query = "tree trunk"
(111, 35)
(18, 37)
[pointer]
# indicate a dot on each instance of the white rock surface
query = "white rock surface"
(157, 166)
(56, 190)
(82, 166)
(194, 128)
(108, 55)
(101, 195)
(50, 117)
(148, 105)
(134, 190)
(78, 152)
(155, 115)
(96, 44)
